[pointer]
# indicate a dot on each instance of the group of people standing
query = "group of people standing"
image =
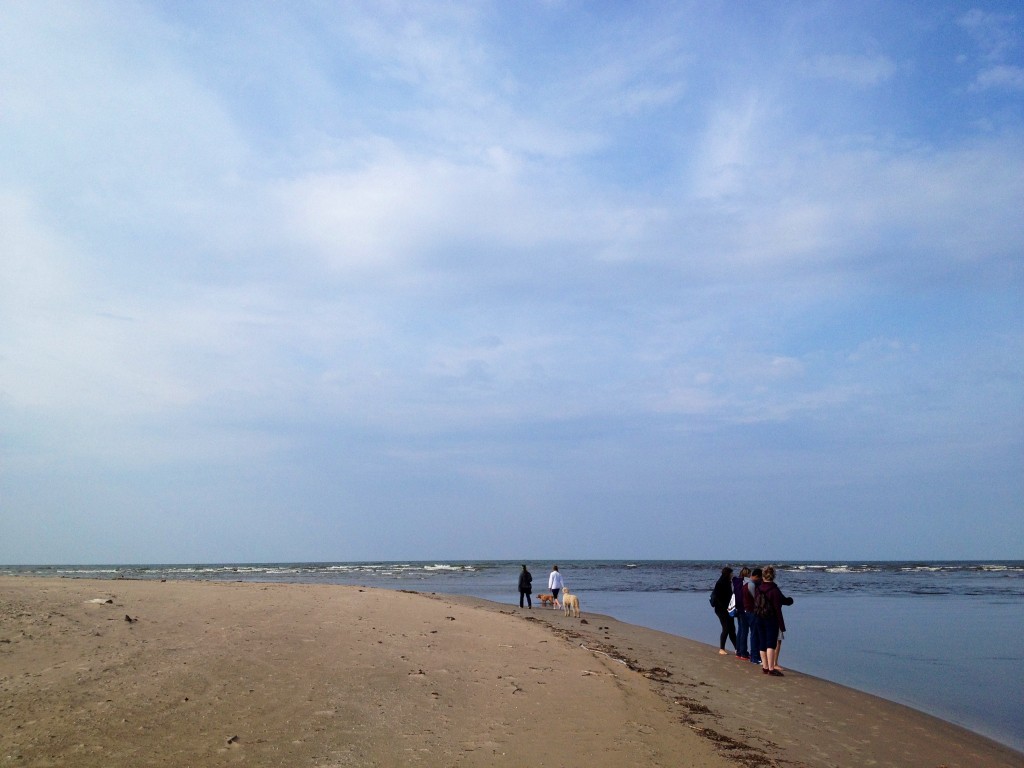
(749, 607)
(555, 584)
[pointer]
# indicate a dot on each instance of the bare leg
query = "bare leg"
(768, 659)
(778, 650)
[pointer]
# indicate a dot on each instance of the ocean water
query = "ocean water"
(943, 637)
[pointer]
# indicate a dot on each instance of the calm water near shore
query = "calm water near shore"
(946, 638)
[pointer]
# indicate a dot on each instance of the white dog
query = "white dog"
(570, 603)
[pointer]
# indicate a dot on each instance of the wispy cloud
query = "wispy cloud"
(996, 34)
(860, 71)
(1003, 77)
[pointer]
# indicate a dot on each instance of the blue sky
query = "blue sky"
(386, 280)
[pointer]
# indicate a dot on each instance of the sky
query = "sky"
(322, 281)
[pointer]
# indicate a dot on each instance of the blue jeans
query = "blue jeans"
(755, 635)
(742, 632)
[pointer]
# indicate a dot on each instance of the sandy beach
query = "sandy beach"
(129, 673)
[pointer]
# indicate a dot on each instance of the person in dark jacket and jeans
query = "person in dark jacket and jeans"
(720, 602)
(525, 587)
(752, 619)
(742, 622)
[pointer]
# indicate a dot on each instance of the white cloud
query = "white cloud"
(436, 51)
(731, 143)
(38, 276)
(881, 350)
(859, 71)
(994, 33)
(860, 212)
(103, 103)
(1001, 77)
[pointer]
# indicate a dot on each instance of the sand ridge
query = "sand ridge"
(271, 674)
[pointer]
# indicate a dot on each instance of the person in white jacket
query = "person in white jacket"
(555, 584)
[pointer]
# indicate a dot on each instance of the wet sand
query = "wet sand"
(213, 673)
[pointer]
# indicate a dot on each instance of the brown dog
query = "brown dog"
(547, 600)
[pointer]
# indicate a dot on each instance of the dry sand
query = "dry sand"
(209, 674)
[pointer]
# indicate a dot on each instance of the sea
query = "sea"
(943, 637)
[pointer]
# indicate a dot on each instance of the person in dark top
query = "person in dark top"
(525, 587)
(773, 624)
(752, 618)
(742, 623)
(720, 602)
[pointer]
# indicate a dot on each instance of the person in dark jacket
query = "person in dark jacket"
(720, 602)
(773, 625)
(752, 618)
(742, 622)
(525, 587)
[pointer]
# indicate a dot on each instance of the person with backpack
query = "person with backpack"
(768, 602)
(720, 597)
(739, 585)
(752, 619)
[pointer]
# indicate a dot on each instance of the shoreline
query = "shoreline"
(882, 660)
(216, 672)
(799, 719)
